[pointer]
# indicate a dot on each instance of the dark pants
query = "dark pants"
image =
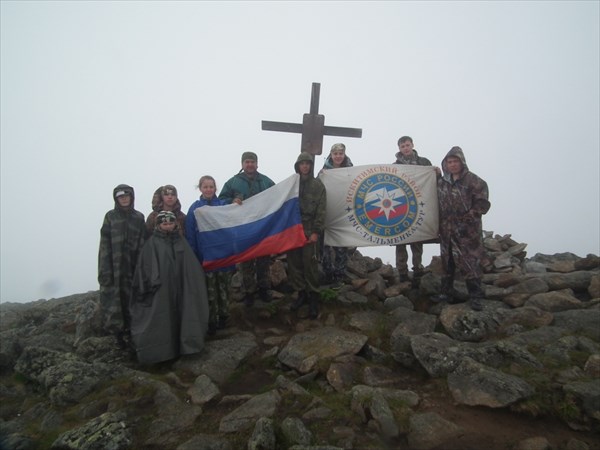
(255, 274)
(303, 268)
(402, 257)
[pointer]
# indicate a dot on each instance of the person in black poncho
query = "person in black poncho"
(169, 304)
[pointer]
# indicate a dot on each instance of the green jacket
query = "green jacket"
(242, 187)
(313, 202)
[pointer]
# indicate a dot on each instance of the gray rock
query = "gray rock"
(203, 390)
(580, 321)
(530, 286)
(430, 430)
(399, 301)
(106, 432)
(263, 435)
(588, 394)
(244, 417)
(555, 301)
(295, 432)
(205, 442)
(322, 343)
(475, 384)
(220, 358)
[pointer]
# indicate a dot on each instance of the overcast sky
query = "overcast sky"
(94, 94)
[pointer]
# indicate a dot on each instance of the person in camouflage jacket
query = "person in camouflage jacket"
(407, 155)
(247, 183)
(303, 263)
(121, 239)
(165, 199)
(463, 199)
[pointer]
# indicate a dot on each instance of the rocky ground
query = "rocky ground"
(381, 368)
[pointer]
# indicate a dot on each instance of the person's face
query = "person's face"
(249, 166)
(454, 165)
(124, 201)
(167, 227)
(337, 157)
(406, 148)
(208, 189)
(304, 167)
(169, 199)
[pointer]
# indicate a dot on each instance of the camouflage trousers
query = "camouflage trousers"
(467, 260)
(402, 257)
(114, 307)
(217, 286)
(335, 264)
(303, 268)
(255, 274)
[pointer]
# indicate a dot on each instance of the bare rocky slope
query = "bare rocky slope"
(381, 368)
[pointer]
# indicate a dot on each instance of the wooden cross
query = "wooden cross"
(312, 127)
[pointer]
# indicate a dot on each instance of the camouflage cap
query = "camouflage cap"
(165, 216)
(169, 189)
(249, 155)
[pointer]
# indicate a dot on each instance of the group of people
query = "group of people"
(156, 297)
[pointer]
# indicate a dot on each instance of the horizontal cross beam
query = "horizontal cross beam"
(313, 126)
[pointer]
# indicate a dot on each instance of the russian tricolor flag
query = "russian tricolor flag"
(265, 224)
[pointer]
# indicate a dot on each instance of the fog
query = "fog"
(94, 94)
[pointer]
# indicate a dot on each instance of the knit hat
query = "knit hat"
(249, 155)
(165, 217)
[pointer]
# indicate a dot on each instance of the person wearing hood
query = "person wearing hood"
(245, 184)
(169, 302)
(334, 259)
(303, 264)
(408, 155)
(463, 199)
(165, 199)
(121, 239)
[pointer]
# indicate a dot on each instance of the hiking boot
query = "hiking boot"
(476, 293)
(265, 295)
(301, 300)
(222, 323)
(476, 304)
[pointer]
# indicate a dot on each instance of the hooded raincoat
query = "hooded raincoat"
(303, 261)
(462, 202)
(169, 305)
(158, 206)
(121, 239)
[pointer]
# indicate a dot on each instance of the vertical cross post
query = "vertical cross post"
(313, 126)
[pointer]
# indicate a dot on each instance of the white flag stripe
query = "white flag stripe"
(256, 207)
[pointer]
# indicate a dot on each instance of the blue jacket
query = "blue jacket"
(192, 234)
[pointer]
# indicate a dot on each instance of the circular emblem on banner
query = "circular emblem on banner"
(385, 205)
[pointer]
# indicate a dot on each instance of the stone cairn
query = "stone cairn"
(360, 376)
